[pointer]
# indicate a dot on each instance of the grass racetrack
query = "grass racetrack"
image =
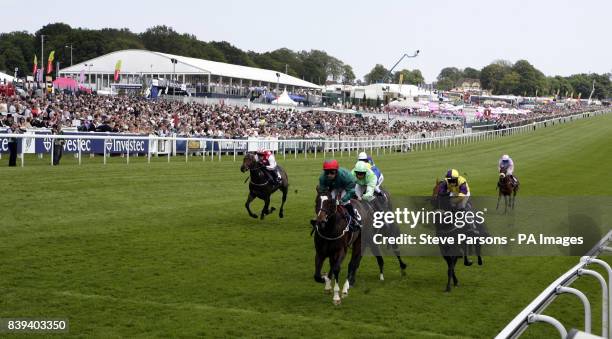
(168, 250)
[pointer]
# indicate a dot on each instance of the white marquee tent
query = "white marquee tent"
(136, 64)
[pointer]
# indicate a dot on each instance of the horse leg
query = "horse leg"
(498, 199)
(449, 273)
(381, 266)
(318, 264)
(466, 259)
(402, 264)
(265, 210)
(455, 281)
(335, 262)
(477, 247)
(505, 204)
(284, 189)
(352, 267)
(250, 198)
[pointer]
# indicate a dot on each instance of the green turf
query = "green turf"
(167, 249)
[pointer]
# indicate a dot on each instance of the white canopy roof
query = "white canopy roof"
(5, 77)
(136, 61)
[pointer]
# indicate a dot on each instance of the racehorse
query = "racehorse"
(382, 203)
(452, 252)
(333, 238)
(262, 186)
(506, 187)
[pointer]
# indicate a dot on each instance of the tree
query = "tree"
(491, 76)
(348, 76)
(510, 83)
(449, 78)
(471, 73)
(413, 77)
(530, 79)
(376, 74)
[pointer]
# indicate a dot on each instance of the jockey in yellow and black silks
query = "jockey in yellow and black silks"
(456, 186)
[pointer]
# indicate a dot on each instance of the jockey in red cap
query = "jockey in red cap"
(340, 179)
(266, 158)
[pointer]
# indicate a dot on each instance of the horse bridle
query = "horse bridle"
(323, 198)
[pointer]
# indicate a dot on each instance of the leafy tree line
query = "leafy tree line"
(522, 78)
(17, 49)
(379, 72)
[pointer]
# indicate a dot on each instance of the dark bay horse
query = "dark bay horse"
(262, 186)
(452, 252)
(508, 189)
(332, 238)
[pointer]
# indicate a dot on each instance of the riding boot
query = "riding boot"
(355, 224)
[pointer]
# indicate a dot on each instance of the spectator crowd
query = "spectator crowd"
(123, 114)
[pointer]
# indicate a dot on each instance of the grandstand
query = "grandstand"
(202, 76)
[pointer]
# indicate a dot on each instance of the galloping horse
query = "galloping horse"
(452, 252)
(261, 185)
(506, 187)
(332, 239)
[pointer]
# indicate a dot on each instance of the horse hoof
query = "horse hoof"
(272, 209)
(479, 262)
(382, 277)
(403, 266)
(280, 214)
(403, 272)
(254, 216)
(447, 290)
(468, 263)
(337, 301)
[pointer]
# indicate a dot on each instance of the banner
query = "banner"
(117, 70)
(35, 68)
(97, 146)
(50, 62)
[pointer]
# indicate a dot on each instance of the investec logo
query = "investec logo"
(47, 144)
(112, 145)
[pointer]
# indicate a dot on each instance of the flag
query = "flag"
(50, 62)
(117, 69)
(35, 65)
(82, 76)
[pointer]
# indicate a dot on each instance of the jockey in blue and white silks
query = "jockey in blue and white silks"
(506, 165)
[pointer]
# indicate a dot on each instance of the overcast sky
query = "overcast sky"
(559, 37)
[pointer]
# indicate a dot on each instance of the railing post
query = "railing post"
(604, 302)
(549, 320)
(585, 303)
(609, 270)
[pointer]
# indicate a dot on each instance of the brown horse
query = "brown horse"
(452, 252)
(332, 238)
(508, 189)
(262, 186)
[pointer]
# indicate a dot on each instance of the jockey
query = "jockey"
(506, 165)
(266, 158)
(456, 186)
(340, 180)
(365, 177)
(379, 176)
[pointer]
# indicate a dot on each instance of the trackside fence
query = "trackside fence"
(534, 311)
(127, 146)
